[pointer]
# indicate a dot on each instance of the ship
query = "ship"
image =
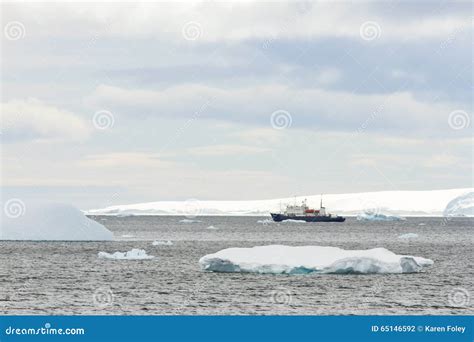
(304, 213)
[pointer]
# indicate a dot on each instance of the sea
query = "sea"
(68, 278)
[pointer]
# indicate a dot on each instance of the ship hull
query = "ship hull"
(281, 217)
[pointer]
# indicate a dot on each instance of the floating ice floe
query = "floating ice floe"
(42, 221)
(162, 243)
(379, 217)
(307, 259)
(128, 236)
(212, 228)
(134, 254)
(408, 236)
(189, 221)
(265, 221)
(422, 224)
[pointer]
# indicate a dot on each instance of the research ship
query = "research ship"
(304, 213)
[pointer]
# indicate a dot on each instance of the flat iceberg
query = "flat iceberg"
(162, 243)
(408, 236)
(134, 254)
(279, 259)
(41, 221)
(378, 217)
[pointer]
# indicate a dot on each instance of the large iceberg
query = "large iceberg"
(307, 259)
(49, 221)
(134, 254)
(461, 206)
(369, 216)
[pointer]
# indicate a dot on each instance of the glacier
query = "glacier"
(43, 221)
(461, 206)
(134, 254)
(400, 203)
(281, 259)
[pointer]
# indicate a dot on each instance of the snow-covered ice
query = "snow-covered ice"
(134, 254)
(461, 206)
(404, 203)
(189, 221)
(281, 259)
(162, 243)
(43, 221)
(408, 236)
(367, 216)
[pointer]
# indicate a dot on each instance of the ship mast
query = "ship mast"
(321, 203)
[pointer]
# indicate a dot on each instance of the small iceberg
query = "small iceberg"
(189, 221)
(265, 222)
(212, 228)
(279, 259)
(128, 236)
(408, 236)
(422, 224)
(134, 254)
(368, 216)
(162, 243)
(42, 221)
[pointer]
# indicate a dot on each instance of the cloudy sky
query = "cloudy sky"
(116, 103)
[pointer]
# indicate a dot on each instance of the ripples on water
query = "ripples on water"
(69, 278)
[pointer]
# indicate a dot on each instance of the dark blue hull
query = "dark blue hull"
(281, 217)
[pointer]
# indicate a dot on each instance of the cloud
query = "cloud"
(398, 113)
(226, 150)
(33, 120)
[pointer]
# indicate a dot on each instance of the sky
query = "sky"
(116, 103)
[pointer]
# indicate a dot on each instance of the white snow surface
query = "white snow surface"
(134, 254)
(162, 243)
(402, 203)
(280, 259)
(43, 221)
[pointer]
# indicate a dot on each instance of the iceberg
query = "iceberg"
(162, 243)
(280, 259)
(461, 206)
(189, 221)
(134, 254)
(369, 216)
(41, 221)
(128, 236)
(212, 228)
(408, 236)
(265, 221)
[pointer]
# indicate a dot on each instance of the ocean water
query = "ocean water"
(68, 278)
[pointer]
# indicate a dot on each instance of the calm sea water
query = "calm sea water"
(69, 278)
